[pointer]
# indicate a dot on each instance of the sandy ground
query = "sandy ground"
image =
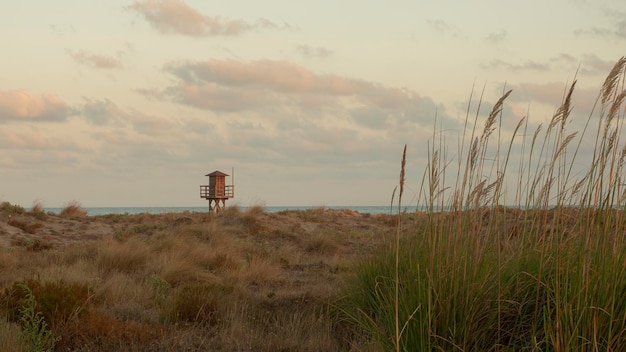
(18, 229)
(52, 231)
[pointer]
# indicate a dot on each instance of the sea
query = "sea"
(94, 211)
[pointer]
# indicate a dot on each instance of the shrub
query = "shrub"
(31, 244)
(321, 243)
(57, 301)
(73, 211)
(98, 331)
(200, 303)
(127, 257)
(256, 210)
(11, 209)
(28, 227)
(35, 334)
(38, 211)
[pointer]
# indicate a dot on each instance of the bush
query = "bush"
(98, 331)
(73, 211)
(27, 227)
(11, 209)
(200, 303)
(57, 301)
(35, 334)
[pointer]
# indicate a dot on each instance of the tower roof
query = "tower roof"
(216, 173)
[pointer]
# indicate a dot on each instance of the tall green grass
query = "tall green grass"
(528, 255)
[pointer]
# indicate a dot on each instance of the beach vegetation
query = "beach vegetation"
(73, 210)
(539, 271)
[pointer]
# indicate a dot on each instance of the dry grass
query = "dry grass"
(320, 243)
(73, 210)
(231, 281)
(127, 257)
(9, 336)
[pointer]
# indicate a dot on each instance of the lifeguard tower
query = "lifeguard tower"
(217, 191)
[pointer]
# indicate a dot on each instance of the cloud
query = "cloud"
(614, 30)
(497, 37)
(62, 29)
(442, 27)
(313, 52)
(279, 76)
(176, 17)
(553, 93)
(101, 112)
(528, 65)
(106, 112)
(291, 104)
(24, 106)
(95, 60)
(588, 64)
(230, 85)
(592, 64)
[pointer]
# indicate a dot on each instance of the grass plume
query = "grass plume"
(542, 274)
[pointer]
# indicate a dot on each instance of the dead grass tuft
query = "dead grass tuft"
(26, 226)
(178, 269)
(260, 271)
(73, 211)
(37, 211)
(127, 257)
(200, 303)
(256, 210)
(320, 243)
(10, 337)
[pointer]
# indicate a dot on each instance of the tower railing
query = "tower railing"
(207, 191)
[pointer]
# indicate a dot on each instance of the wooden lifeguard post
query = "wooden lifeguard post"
(217, 190)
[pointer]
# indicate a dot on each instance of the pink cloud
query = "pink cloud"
(95, 60)
(175, 16)
(33, 140)
(22, 105)
(313, 52)
(280, 88)
(277, 75)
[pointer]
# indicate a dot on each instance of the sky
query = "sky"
(130, 103)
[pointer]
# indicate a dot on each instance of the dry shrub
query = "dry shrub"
(222, 261)
(37, 207)
(73, 211)
(256, 210)
(58, 301)
(11, 209)
(8, 259)
(31, 244)
(201, 303)
(120, 287)
(183, 259)
(127, 257)
(260, 271)
(280, 326)
(312, 215)
(37, 211)
(87, 252)
(287, 254)
(177, 270)
(320, 243)
(10, 337)
(28, 227)
(100, 331)
(299, 330)
(251, 223)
